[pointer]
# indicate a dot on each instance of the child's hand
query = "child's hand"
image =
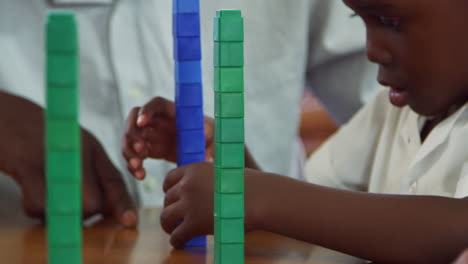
(188, 205)
(150, 132)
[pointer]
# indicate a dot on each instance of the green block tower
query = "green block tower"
(229, 137)
(63, 141)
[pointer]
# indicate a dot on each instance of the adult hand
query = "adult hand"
(22, 145)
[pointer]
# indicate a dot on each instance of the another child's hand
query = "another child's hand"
(150, 132)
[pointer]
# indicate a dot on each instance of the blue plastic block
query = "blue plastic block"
(186, 24)
(197, 242)
(188, 72)
(189, 118)
(185, 6)
(189, 158)
(190, 94)
(187, 49)
(190, 141)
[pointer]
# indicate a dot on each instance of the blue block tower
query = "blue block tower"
(189, 89)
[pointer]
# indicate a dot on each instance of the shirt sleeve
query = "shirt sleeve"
(344, 161)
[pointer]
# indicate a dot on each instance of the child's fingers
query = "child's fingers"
(183, 233)
(173, 177)
(172, 196)
(171, 217)
(156, 108)
(140, 174)
(132, 143)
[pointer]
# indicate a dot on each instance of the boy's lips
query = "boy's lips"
(398, 96)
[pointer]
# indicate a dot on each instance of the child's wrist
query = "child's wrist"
(254, 205)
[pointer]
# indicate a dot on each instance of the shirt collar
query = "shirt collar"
(440, 133)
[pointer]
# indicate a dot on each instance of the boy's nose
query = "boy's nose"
(376, 52)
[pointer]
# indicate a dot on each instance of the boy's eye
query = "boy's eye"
(389, 22)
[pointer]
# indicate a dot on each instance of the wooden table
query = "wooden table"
(22, 241)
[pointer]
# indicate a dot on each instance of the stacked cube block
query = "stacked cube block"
(229, 137)
(189, 89)
(63, 143)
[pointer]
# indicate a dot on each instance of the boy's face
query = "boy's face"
(421, 47)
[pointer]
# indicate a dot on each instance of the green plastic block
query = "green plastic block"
(225, 13)
(61, 33)
(63, 167)
(229, 230)
(229, 205)
(62, 255)
(228, 26)
(229, 155)
(64, 198)
(64, 230)
(229, 130)
(62, 70)
(229, 253)
(229, 180)
(63, 134)
(229, 105)
(229, 80)
(228, 54)
(62, 103)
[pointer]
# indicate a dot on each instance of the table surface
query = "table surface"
(22, 241)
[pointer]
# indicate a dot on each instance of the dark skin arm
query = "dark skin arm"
(381, 228)
(22, 145)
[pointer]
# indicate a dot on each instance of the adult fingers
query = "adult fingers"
(115, 191)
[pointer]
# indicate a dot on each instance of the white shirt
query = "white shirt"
(126, 59)
(380, 151)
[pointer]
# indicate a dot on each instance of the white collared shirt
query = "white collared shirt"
(380, 151)
(126, 59)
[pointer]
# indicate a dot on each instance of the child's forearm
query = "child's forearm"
(382, 228)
